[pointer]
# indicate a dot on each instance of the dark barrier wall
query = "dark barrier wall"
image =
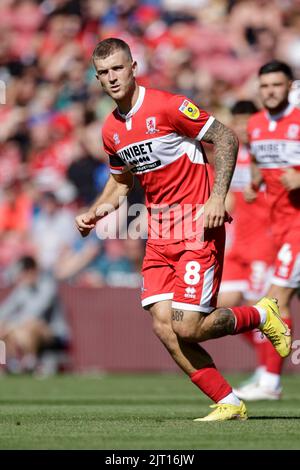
(113, 333)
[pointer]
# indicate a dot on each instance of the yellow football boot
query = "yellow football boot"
(274, 328)
(224, 412)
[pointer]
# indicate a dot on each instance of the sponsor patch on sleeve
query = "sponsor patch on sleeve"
(189, 109)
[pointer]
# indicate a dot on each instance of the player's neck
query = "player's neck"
(279, 109)
(128, 102)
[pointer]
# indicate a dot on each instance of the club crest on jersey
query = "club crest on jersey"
(116, 138)
(151, 125)
(256, 133)
(189, 109)
(293, 131)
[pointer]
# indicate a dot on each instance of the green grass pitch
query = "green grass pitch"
(153, 411)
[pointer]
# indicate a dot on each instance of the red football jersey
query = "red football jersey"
(250, 221)
(275, 144)
(159, 142)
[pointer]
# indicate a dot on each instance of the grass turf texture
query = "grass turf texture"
(136, 412)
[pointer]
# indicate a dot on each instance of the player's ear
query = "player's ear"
(134, 68)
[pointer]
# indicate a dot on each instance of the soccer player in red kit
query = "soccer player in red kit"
(250, 255)
(157, 136)
(247, 262)
(274, 136)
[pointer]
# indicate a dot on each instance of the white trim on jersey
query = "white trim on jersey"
(119, 172)
(205, 127)
(192, 308)
(165, 149)
(137, 105)
(128, 123)
(157, 298)
(276, 153)
(277, 281)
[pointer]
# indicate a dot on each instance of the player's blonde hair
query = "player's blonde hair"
(108, 46)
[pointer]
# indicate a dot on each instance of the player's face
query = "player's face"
(274, 89)
(116, 74)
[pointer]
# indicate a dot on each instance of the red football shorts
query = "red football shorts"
(287, 263)
(248, 271)
(189, 276)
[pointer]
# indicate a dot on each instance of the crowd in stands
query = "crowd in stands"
(52, 164)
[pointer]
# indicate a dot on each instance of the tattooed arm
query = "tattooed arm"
(225, 152)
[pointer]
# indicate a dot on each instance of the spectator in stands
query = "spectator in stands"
(15, 208)
(31, 317)
(73, 265)
(114, 267)
(248, 18)
(52, 231)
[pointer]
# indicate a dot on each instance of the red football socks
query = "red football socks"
(258, 343)
(211, 382)
(247, 318)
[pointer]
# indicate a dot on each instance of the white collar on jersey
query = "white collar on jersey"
(285, 112)
(137, 105)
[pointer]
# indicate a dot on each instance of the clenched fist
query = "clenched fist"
(86, 222)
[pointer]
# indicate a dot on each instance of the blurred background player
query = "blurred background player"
(274, 136)
(31, 318)
(250, 253)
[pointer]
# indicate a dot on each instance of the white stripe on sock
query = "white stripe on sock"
(262, 313)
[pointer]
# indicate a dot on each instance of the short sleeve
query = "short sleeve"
(116, 164)
(188, 119)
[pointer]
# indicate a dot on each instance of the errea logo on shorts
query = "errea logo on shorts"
(190, 293)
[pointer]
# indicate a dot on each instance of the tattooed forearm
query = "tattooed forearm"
(225, 151)
(177, 315)
(223, 323)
